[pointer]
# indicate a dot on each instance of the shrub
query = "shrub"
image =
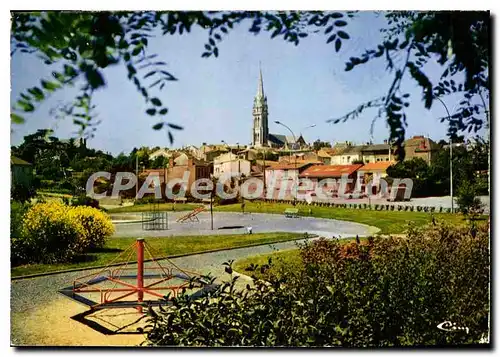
(385, 292)
(96, 224)
(49, 235)
(18, 250)
(53, 232)
(17, 211)
(21, 191)
(147, 200)
(467, 201)
(218, 201)
(84, 200)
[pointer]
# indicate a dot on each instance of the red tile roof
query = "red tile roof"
(330, 170)
(286, 166)
(377, 166)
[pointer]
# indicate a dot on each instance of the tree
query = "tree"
(417, 170)
(159, 162)
(60, 163)
(86, 43)
(123, 163)
(467, 199)
(267, 155)
(318, 144)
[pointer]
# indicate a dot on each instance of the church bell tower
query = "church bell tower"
(260, 130)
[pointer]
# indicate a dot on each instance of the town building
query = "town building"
(160, 153)
(346, 155)
(210, 152)
(177, 168)
(325, 155)
(420, 147)
(21, 172)
(374, 171)
(337, 172)
(279, 178)
(197, 169)
(230, 163)
(377, 152)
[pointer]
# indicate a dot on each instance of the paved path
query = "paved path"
(260, 222)
(41, 316)
(443, 201)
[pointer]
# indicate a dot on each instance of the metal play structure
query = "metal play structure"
(191, 216)
(126, 286)
(154, 219)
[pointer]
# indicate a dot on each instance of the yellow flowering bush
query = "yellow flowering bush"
(54, 232)
(49, 235)
(96, 224)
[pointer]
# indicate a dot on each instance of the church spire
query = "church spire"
(260, 88)
(260, 129)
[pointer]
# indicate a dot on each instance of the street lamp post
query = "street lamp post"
(451, 154)
(295, 160)
(307, 127)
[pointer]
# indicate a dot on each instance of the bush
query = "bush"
(147, 200)
(385, 292)
(221, 202)
(49, 235)
(22, 192)
(467, 201)
(96, 224)
(53, 232)
(84, 200)
(17, 210)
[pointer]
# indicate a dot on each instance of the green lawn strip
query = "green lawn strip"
(160, 247)
(162, 207)
(387, 221)
(54, 194)
(288, 257)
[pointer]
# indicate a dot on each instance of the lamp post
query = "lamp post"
(451, 154)
(307, 127)
(295, 140)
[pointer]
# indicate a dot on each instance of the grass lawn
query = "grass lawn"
(288, 257)
(160, 246)
(283, 257)
(387, 221)
(162, 207)
(52, 196)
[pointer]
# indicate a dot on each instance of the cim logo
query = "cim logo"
(451, 327)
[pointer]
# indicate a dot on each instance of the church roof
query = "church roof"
(283, 139)
(278, 138)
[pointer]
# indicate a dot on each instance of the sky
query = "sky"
(213, 97)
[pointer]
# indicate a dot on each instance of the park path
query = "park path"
(41, 316)
(237, 223)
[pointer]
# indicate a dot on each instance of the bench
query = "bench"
(291, 213)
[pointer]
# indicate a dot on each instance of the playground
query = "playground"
(43, 316)
(102, 306)
(239, 223)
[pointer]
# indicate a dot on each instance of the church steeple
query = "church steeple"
(260, 88)
(260, 130)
